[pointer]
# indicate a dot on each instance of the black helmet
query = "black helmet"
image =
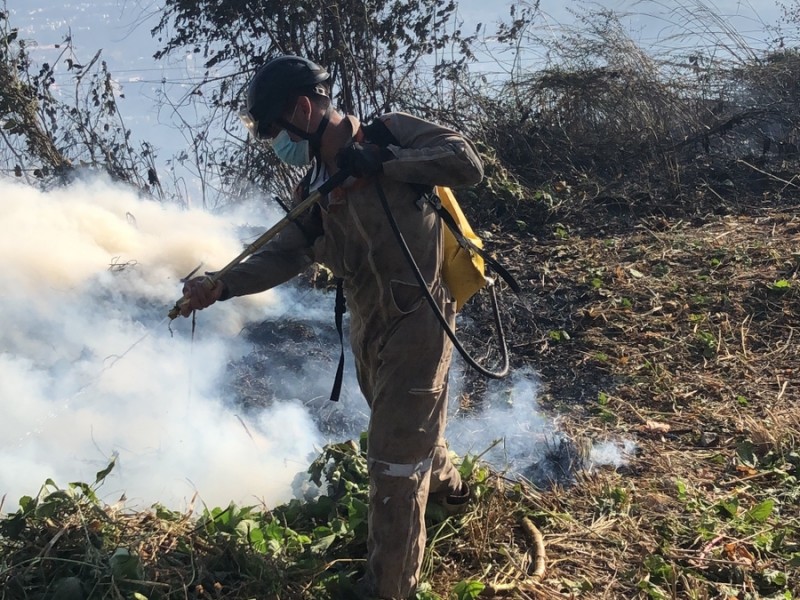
(273, 85)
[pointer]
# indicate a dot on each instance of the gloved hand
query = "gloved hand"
(198, 294)
(360, 160)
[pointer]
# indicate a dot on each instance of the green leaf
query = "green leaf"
(245, 526)
(257, 541)
(357, 513)
(46, 509)
(467, 466)
(323, 543)
(468, 590)
(48, 506)
(659, 568)
(85, 488)
(102, 474)
(223, 516)
(275, 531)
(782, 284)
(27, 504)
(125, 565)
(760, 512)
(681, 489)
(777, 578)
(729, 508)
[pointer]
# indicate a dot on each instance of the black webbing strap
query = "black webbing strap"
(341, 308)
(379, 134)
(468, 244)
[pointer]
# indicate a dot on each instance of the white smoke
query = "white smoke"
(507, 425)
(89, 369)
(510, 433)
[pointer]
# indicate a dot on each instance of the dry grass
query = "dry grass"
(680, 333)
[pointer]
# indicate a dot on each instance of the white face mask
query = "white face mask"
(289, 151)
(293, 153)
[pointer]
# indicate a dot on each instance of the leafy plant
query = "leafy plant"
(468, 590)
(707, 343)
(781, 285)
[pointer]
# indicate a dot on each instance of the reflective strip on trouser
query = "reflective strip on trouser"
(396, 470)
(396, 542)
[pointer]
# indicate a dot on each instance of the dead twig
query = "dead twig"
(768, 174)
(538, 552)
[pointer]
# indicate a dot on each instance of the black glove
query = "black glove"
(361, 160)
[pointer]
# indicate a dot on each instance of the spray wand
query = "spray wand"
(313, 198)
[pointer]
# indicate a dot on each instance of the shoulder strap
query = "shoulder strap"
(310, 223)
(379, 134)
(466, 243)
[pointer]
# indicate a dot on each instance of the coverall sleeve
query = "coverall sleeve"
(288, 254)
(283, 257)
(430, 154)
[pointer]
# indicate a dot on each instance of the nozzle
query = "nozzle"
(175, 311)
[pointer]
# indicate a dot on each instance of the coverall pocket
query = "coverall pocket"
(406, 297)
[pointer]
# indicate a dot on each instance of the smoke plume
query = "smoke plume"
(89, 369)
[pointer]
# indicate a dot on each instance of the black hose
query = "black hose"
(472, 362)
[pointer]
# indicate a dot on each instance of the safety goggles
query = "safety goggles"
(252, 127)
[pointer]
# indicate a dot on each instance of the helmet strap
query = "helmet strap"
(315, 139)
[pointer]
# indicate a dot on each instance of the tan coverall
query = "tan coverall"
(401, 352)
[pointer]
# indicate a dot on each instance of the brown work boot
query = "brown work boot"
(443, 505)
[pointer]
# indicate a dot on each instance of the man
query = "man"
(401, 352)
